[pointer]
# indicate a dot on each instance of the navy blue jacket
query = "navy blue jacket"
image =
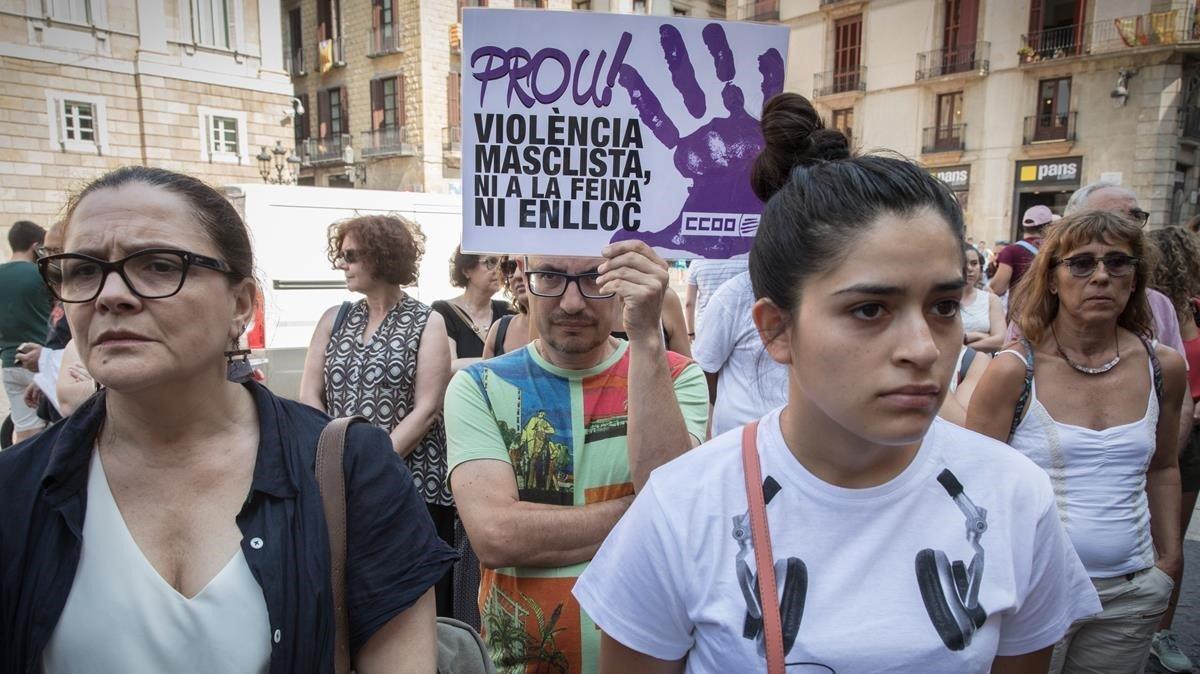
(393, 552)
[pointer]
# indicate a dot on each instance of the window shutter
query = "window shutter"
(453, 105)
(376, 13)
(206, 136)
(968, 24)
(323, 114)
(60, 121)
(377, 106)
(345, 110)
(233, 10)
(1035, 16)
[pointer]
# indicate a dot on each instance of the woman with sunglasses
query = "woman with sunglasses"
(174, 522)
(469, 316)
(1091, 397)
(511, 332)
(385, 357)
(849, 530)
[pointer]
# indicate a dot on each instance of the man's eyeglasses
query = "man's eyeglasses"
(554, 284)
(45, 251)
(151, 274)
(1139, 216)
(1116, 264)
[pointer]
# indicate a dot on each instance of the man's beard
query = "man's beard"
(577, 344)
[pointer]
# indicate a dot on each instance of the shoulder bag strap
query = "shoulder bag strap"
(1023, 401)
(340, 319)
(763, 557)
(501, 333)
(1028, 246)
(331, 481)
(1155, 367)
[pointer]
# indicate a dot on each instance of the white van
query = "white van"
(288, 226)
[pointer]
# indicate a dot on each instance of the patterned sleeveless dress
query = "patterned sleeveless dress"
(378, 381)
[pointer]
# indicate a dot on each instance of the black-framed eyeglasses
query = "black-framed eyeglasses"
(151, 274)
(1116, 264)
(45, 251)
(1139, 216)
(554, 284)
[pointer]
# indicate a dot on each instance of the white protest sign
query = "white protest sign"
(581, 129)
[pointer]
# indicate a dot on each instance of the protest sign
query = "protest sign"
(581, 129)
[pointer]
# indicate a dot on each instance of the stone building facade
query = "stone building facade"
(1012, 102)
(196, 86)
(379, 84)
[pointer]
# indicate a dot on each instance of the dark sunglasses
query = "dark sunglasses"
(349, 256)
(1116, 264)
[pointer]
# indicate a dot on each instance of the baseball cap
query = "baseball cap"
(1037, 216)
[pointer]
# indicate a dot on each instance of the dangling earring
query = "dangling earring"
(237, 364)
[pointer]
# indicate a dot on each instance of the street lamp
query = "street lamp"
(277, 160)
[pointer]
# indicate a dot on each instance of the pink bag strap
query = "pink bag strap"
(764, 560)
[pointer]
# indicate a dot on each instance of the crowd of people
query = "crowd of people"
(596, 474)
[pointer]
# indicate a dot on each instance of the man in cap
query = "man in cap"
(1012, 262)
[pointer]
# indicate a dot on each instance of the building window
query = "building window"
(582, 5)
(387, 99)
(77, 122)
(843, 120)
(463, 4)
(1053, 109)
(949, 109)
(530, 4)
(223, 136)
(1056, 27)
(71, 11)
(676, 10)
(211, 23)
(335, 114)
(639, 6)
(847, 52)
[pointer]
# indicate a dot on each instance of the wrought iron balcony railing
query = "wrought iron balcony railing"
(950, 138)
(295, 63)
(390, 140)
(964, 58)
(329, 150)
(1189, 119)
(1059, 126)
(383, 40)
(839, 81)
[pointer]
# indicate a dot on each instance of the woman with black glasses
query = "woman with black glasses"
(1091, 397)
(469, 316)
(173, 522)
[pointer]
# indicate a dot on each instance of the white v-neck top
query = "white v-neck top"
(121, 616)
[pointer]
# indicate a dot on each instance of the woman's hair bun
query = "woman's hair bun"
(793, 134)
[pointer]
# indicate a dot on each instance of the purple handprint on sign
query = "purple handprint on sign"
(717, 156)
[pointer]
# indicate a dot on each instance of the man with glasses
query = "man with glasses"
(24, 315)
(548, 444)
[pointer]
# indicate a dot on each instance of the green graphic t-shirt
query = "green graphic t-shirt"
(563, 432)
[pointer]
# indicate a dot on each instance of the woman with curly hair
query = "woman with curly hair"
(386, 357)
(1092, 398)
(1177, 275)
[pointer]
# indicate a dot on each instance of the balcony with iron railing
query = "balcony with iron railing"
(974, 58)
(1138, 31)
(295, 63)
(833, 3)
(840, 81)
(452, 140)
(331, 51)
(301, 152)
(383, 40)
(1050, 128)
(328, 150)
(758, 10)
(389, 140)
(948, 138)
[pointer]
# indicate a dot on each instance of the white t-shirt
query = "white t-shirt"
(707, 276)
(665, 582)
(749, 382)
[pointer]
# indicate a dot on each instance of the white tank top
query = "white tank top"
(1099, 480)
(976, 316)
(121, 616)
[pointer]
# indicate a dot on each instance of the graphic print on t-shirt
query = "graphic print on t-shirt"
(949, 590)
